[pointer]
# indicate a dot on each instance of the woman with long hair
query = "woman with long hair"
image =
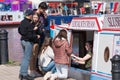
(46, 56)
(62, 50)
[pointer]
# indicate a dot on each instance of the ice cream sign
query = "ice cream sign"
(85, 23)
(112, 22)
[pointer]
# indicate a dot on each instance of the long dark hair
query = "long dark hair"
(43, 5)
(47, 42)
(90, 43)
(62, 34)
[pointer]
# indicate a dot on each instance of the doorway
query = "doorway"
(79, 39)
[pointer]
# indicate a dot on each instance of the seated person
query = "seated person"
(46, 57)
(87, 59)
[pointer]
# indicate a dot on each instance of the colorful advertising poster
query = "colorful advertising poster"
(25, 5)
(23, 0)
(15, 5)
(8, 0)
(2, 6)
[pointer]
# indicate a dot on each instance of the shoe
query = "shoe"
(47, 75)
(35, 74)
(27, 77)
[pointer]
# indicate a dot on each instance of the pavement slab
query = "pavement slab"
(11, 72)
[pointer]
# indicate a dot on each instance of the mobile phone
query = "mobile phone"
(73, 58)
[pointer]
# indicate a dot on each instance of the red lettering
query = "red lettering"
(113, 21)
(73, 24)
(117, 20)
(83, 24)
(110, 21)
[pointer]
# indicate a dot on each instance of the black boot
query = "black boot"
(27, 77)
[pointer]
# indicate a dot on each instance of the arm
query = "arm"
(22, 29)
(50, 53)
(71, 39)
(81, 60)
(86, 57)
(45, 19)
(76, 57)
(68, 48)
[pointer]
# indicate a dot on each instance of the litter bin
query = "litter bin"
(3, 46)
(115, 67)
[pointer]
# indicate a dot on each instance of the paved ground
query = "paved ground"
(11, 72)
(8, 72)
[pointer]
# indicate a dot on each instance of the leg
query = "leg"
(33, 62)
(47, 75)
(34, 55)
(62, 71)
(27, 46)
(50, 67)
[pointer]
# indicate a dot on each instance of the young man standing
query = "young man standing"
(27, 39)
(43, 18)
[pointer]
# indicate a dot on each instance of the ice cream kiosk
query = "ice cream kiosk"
(104, 30)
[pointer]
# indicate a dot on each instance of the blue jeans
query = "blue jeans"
(62, 70)
(51, 67)
(27, 50)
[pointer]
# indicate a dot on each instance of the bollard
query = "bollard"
(3, 46)
(115, 67)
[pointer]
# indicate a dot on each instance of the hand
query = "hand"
(80, 62)
(73, 58)
(43, 30)
(77, 58)
(35, 28)
(38, 36)
(72, 55)
(45, 14)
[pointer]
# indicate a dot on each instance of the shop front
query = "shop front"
(104, 31)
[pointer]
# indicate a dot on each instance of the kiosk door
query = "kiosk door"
(79, 38)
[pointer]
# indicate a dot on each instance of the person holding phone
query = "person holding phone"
(87, 59)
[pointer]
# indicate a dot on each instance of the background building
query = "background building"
(15, 5)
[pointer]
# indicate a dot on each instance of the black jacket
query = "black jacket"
(43, 20)
(26, 30)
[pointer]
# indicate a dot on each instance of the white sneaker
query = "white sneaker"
(47, 75)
